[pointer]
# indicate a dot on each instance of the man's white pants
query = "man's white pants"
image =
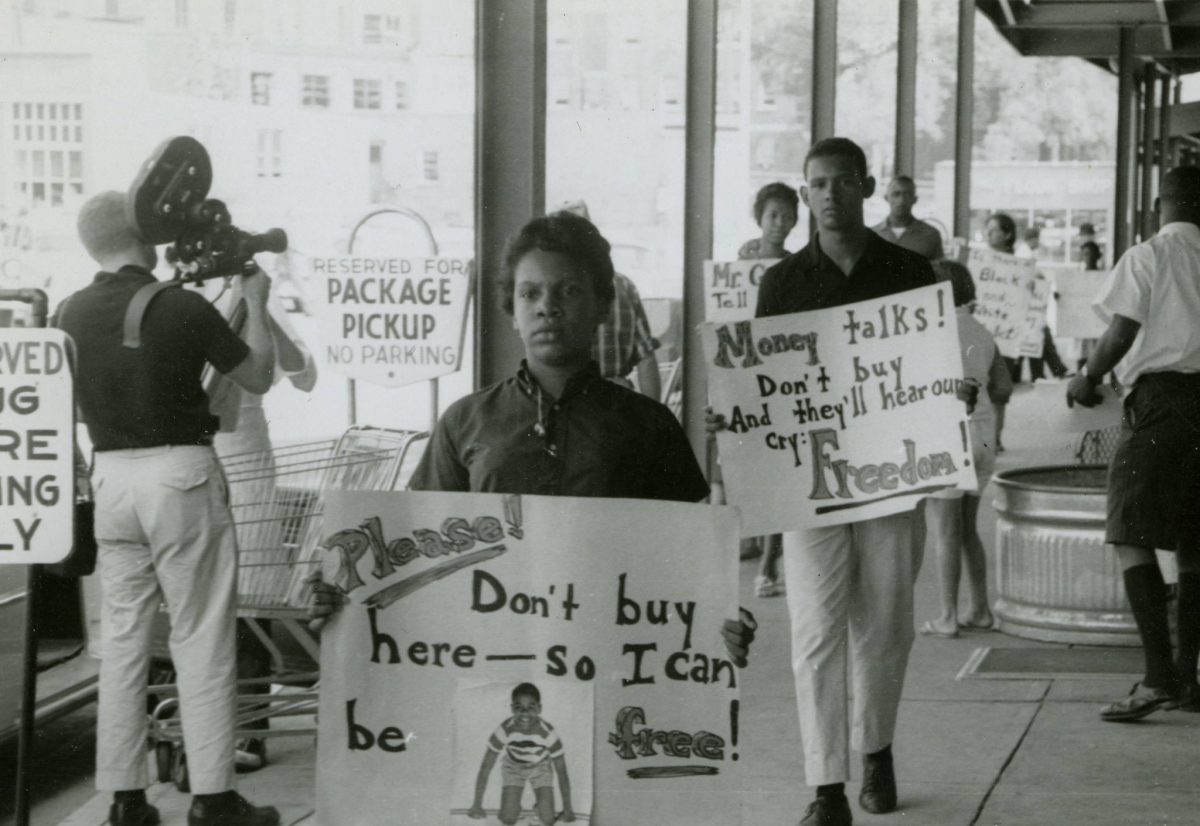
(164, 531)
(850, 596)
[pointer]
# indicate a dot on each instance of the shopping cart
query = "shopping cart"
(277, 498)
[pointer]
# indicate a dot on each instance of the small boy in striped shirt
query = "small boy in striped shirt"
(529, 746)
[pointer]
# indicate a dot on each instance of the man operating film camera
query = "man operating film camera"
(163, 523)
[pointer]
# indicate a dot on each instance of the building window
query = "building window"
(372, 29)
(671, 93)
(230, 16)
(260, 88)
(402, 101)
(181, 14)
(560, 92)
(270, 153)
(48, 151)
(429, 166)
(368, 94)
(764, 96)
(314, 93)
(595, 90)
(380, 191)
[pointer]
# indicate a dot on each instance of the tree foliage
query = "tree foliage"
(1025, 108)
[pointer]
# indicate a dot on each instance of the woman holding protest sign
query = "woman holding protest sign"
(557, 428)
(950, 513)
(1000, 231)
(775, 208)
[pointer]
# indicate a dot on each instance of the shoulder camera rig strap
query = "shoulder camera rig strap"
(136, 311)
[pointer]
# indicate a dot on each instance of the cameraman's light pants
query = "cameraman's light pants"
(164, 531)
(850, 596)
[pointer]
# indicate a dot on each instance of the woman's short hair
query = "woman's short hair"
(776, 191)
(962, 285)
(567, 234)
(1007, 225)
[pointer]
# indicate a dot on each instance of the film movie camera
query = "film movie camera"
(168, 203)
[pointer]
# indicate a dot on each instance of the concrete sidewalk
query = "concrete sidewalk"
(1016, 752)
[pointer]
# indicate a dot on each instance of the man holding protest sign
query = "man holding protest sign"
(1154, 475)
(849, 587)
(163, 524)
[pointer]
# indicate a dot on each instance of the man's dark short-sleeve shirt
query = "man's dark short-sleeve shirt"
(150, 396)
(600, 439)
(809, 280)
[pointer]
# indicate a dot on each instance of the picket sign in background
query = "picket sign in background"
(1004, 290)
(1077, 289)
(731, 288)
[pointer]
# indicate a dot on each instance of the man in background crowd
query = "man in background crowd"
(902, 228)
(623, 340)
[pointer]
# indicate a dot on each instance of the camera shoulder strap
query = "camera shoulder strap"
(136, 311)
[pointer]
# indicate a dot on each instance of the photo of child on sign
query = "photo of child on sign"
(525, 756)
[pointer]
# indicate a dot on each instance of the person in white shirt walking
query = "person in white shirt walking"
(1151, 302)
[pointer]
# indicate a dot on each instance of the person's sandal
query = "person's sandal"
(1142, 701)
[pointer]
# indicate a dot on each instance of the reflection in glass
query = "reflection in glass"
(313, 112)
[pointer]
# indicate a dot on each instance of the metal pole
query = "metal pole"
(1176, 99)
(39, 310)
(510, 147)
(28, 700)
(906, 89)
(824, 69)
(1164, 126)
(964, 116)
(433, 402)
(1122, 202)
(351, 384)
(699, 142)
(824, 78)
(1149, 75)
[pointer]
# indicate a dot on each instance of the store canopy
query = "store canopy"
(1166, 31)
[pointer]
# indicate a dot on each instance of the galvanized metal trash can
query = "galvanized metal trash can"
(1055, 579)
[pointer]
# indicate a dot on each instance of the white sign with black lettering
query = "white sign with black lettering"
(1077, 290)
(731, 288)
(392, 321)
(37, 428)
(1004, 290)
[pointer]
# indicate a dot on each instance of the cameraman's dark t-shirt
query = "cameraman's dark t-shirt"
(150, 396)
